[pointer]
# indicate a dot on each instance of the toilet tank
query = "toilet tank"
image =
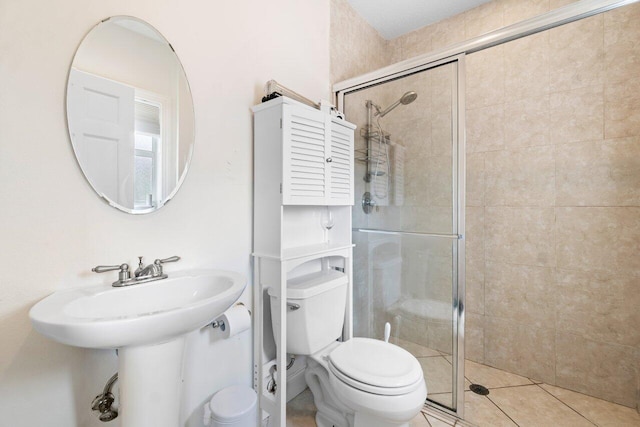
(315, 311)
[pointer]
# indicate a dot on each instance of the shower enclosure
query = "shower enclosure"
(408, 222)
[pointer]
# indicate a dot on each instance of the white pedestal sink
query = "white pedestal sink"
(147, 323)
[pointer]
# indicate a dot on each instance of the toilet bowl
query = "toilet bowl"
(377, 384)
(361, 382)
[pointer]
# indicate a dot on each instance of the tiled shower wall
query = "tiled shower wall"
(553, 206)
(553, 191)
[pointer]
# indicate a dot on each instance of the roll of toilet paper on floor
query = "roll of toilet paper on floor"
(237, 319)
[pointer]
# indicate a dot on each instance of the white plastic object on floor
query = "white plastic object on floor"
(387, 331)
(234, 406)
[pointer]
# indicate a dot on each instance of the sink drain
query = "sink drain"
(479, 389)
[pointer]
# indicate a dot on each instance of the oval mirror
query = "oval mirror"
(130, 114)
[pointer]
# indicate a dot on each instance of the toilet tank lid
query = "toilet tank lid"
(313, 284)
(232, 402)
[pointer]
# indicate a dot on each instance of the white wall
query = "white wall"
(54, 228)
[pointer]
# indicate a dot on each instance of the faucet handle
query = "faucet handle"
(158, 263)
(123, 275)
(170, 259)
(105, 268)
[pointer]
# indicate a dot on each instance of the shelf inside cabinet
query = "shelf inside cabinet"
(319, 249)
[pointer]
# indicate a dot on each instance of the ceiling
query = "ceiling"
(393, 18)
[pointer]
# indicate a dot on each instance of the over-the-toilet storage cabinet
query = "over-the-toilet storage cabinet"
(303, 175)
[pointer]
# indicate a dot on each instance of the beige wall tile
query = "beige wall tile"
(440, 336)
(599, 306)
(598, 173)
(483, 19)
(521, 348)
(520, 177)
(441, 134)
(475, 179)
(475, 277)
(621, 35)
(622, 108)
(484, 129)
(447, 32)
(607, 371)
(394, 47)
(430, 219)
(413, 329)
(526, 122)
(442, 80)
(475, 237)
(637, 380)
(604, 239)
(522, 293)
(474, 337)
(577, 115)
(576, 54)
(366, 50)
(526, 64)
(417, 42)
(519, 10)
(485, 77)
(416, 349)
(555, 4)
(520, 235)
(440, 179)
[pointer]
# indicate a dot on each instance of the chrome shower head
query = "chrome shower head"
(407, 98)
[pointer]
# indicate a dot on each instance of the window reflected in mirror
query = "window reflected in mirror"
(130, 114)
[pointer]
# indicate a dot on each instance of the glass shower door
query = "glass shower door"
(408, 221)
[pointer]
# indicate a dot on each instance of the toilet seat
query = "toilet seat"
(376, 367)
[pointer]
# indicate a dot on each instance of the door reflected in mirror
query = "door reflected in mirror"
(130, 114)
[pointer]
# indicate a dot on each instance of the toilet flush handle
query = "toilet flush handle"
(387, 331)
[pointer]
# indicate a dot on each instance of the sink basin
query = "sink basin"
(154, 312)
(147, 323)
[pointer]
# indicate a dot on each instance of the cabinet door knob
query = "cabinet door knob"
(329, 160)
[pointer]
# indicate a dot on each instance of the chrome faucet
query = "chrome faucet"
(153, 270)
(148, 271)
(142, 274)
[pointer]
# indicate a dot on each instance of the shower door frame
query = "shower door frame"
(458, 212)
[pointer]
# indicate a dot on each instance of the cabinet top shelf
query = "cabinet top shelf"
(283, 100)
(306, 251)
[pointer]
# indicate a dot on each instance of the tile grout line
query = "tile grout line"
(510, 386)
(565, 404)
(424, 414)
(501, 410)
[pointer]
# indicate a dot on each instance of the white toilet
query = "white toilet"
(357, 383)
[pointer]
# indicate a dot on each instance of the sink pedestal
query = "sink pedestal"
(150, 384)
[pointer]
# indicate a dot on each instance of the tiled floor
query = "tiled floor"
(512, 401)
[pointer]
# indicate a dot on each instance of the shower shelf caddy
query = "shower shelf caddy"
(303, 196)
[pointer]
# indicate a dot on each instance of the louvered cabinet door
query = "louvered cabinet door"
(304, 156)
(340, 176)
